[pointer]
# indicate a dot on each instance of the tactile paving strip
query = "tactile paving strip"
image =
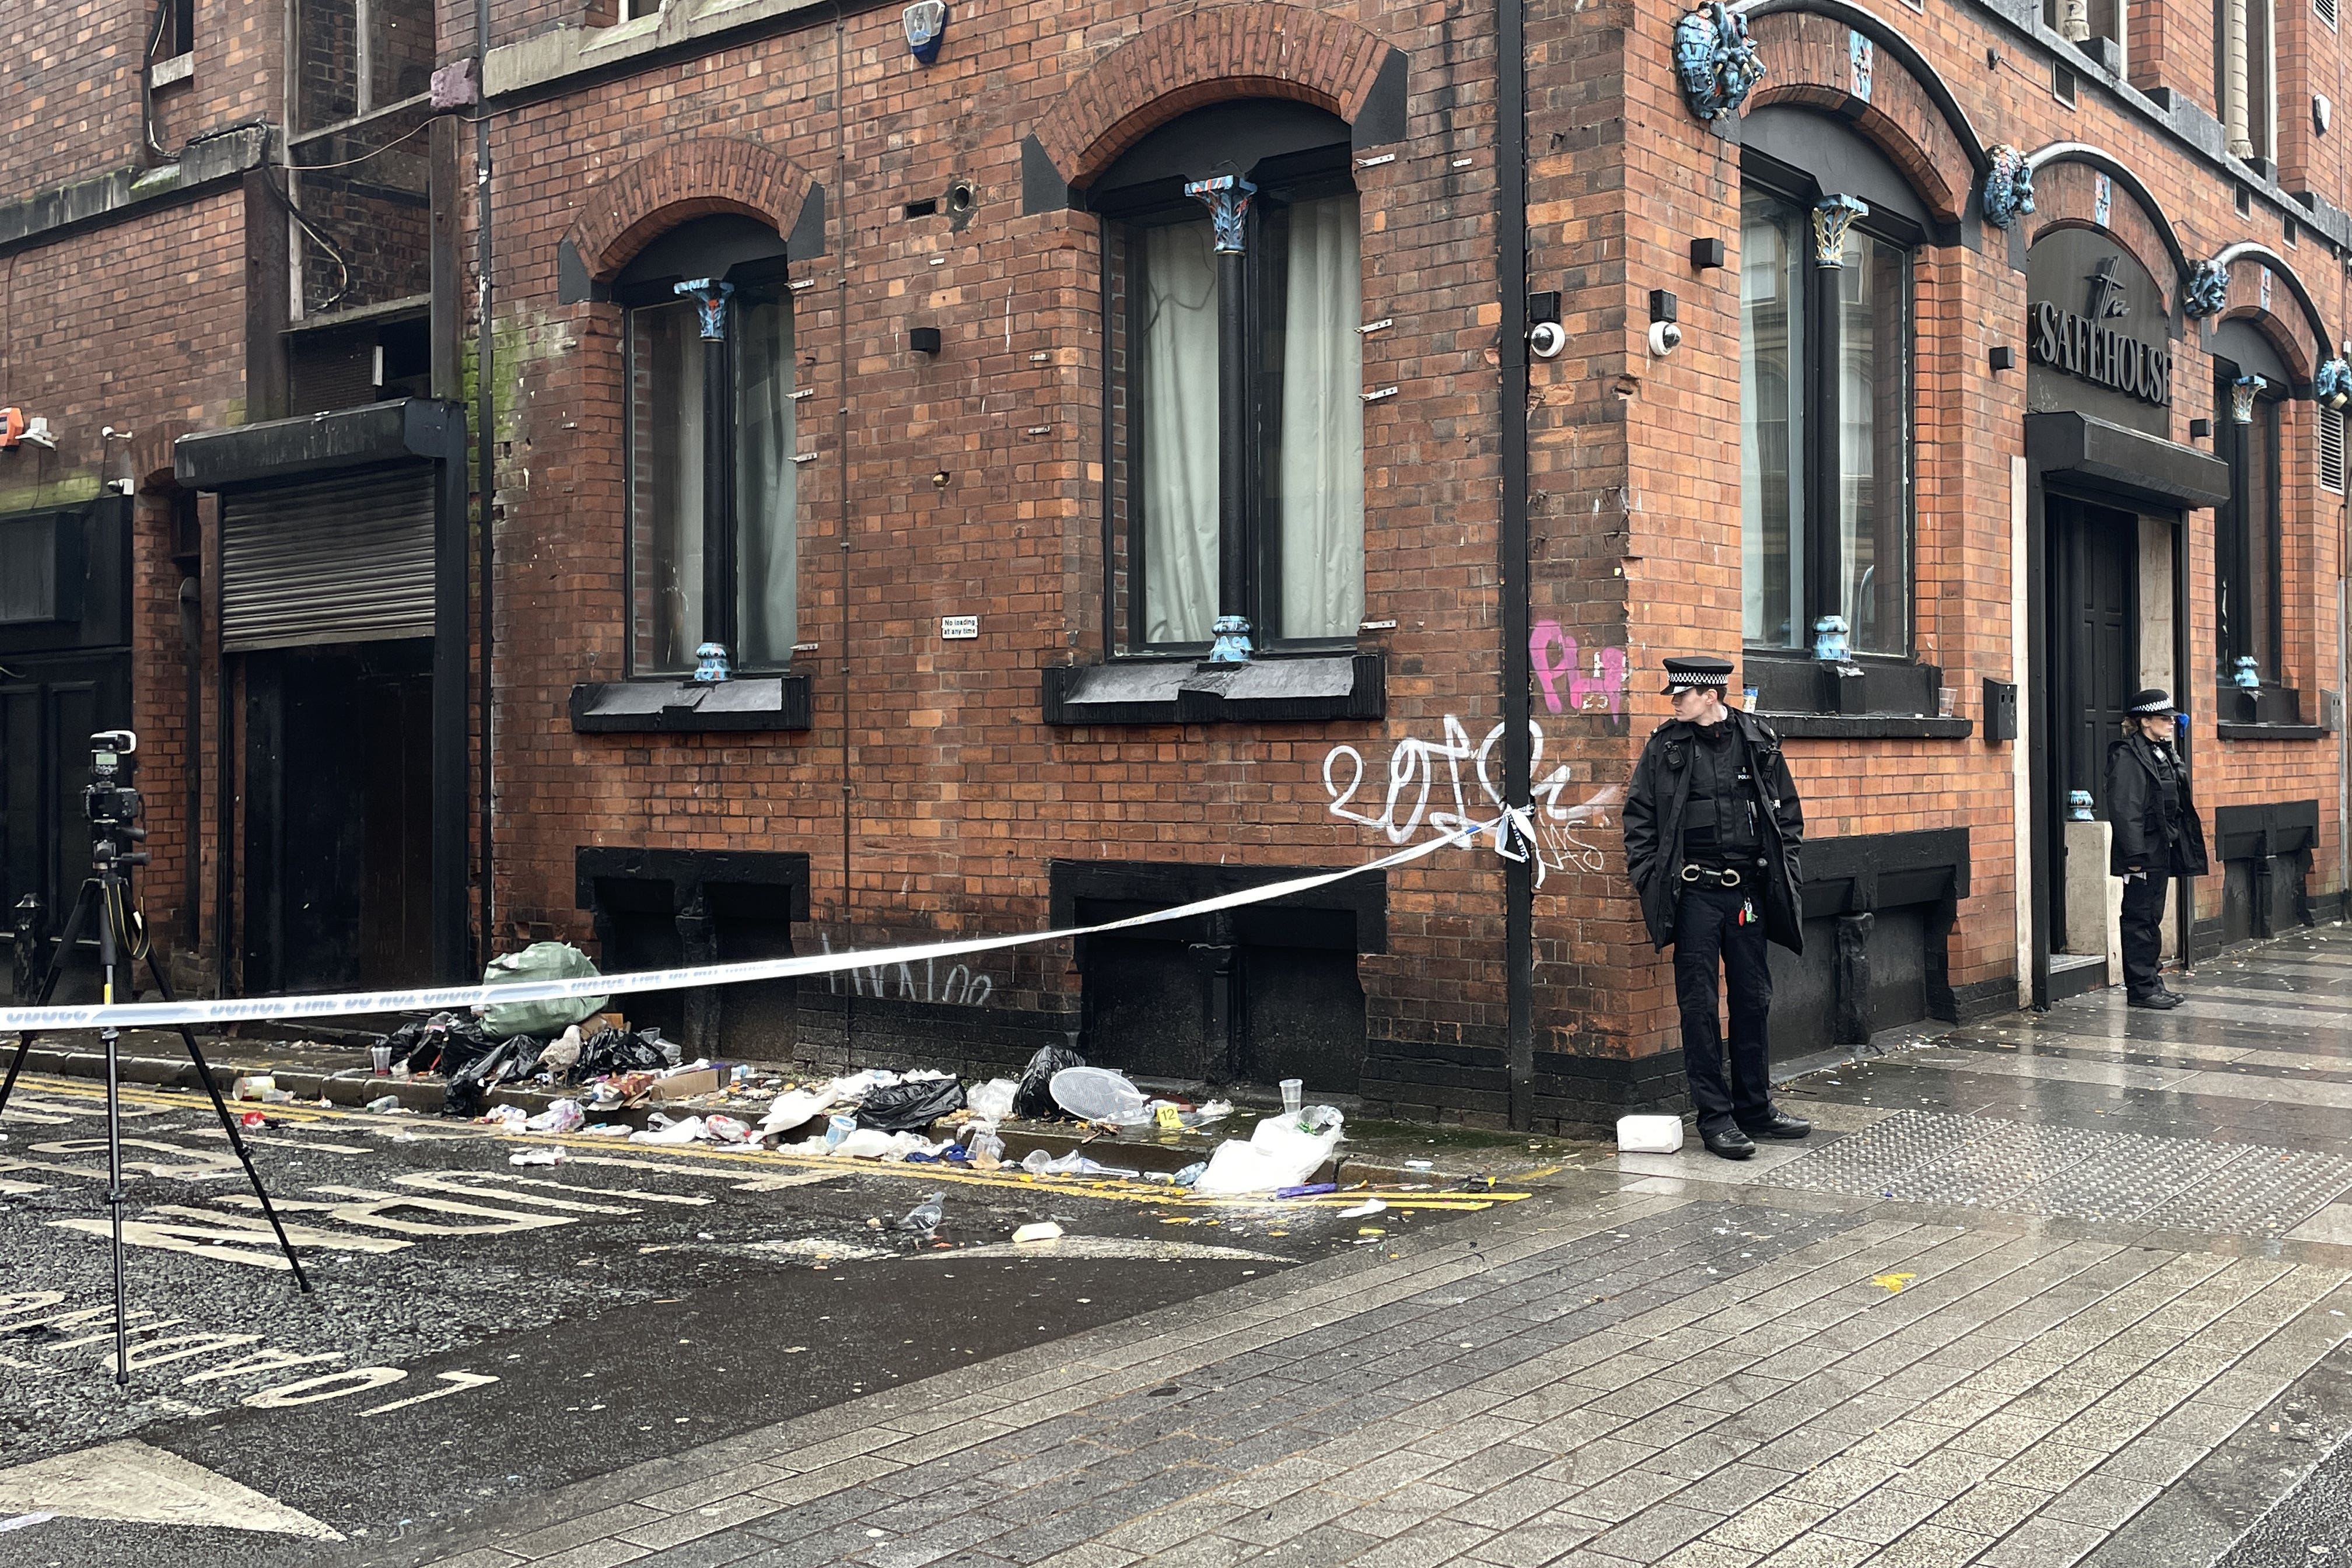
(2176, 1183)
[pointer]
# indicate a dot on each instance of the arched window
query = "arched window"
(1237, 414)
(712, 536)
(1826, 387)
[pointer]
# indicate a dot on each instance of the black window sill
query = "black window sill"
(748, 702)
(1276, 689)
(2273, 732)
(2265, 711)
(1867, 698)
(1867, 726)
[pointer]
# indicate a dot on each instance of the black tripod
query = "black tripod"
(113, 808)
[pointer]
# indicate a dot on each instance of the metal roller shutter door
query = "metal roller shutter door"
(348, 559)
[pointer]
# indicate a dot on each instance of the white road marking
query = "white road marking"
(458, 1383)
(320, 1389)
(133, 1483)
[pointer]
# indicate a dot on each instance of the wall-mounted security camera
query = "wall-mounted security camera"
(1546, 339)
(1664, 337)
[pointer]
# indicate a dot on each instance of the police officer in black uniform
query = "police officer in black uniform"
(2156, 837)
(1712, 834)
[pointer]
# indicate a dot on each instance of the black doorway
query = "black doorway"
(2093, 585)
(339, 816)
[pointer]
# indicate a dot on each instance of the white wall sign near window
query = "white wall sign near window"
(957, 627)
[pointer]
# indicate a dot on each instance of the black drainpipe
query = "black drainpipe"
(1511, 280)
(486, 554)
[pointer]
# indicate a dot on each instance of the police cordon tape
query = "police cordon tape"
(199, 1010)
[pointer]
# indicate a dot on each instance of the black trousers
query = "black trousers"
(2142, 922)
(1707, 932)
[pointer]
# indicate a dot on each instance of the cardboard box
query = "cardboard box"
(684, 1085)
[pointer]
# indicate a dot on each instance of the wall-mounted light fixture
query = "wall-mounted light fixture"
(2001, 357)
(923, 339)
(925, 22)
(1707, 253)
(2200, 429)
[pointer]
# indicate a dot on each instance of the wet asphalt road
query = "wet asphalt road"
(479, 1332)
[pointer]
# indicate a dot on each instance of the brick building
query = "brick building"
(964, 403)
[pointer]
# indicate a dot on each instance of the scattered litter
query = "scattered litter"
(1422, 1164)
(925, 1216)
(1364, 1210)
(664, 1130)
(1891, 1283)
(725, 1130)
(1035, 1095)
(904, 1106)
(560, 1115)
(387, 1105)
(1648, 1135)
(1042, 1230)
(1307, 1190)
(25, 1522)
(1099, 1094)
(563, 1054)
(554, 1155)
(511, 1117)
(793, 1108)
(992, 1102)
(1282, 1152)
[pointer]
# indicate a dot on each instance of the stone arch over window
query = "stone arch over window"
(2067, 193)
(1255, 51)
(674, 184)
(1842, 61)
(2246, 262)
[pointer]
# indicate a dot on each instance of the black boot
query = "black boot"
(2161, 1000)
(1777, 1123)
(1728, 1142)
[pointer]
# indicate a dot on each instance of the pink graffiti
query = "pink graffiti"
(1604, 689)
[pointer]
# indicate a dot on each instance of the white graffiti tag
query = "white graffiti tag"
(1427, 791)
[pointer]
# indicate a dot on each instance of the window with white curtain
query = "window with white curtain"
(675, 525)
(1826, 392)
(1300, 422)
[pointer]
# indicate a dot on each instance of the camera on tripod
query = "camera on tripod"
(111, 800)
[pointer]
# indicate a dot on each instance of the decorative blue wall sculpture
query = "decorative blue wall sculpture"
(2008, 187)
(2331, 383)
(2209, 290)
(1717, 60)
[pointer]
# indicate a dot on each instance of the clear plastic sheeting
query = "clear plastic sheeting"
(1282, 1152)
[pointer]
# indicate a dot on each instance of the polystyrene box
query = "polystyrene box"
(1649, 1135)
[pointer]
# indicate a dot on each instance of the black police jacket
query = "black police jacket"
(2144, 839)
(1654, 828)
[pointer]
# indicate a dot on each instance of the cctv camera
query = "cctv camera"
(1545, 339)
(1664, 337)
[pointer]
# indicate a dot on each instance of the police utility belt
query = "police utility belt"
(1722, 876)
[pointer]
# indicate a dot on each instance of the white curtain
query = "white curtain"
(767, 558)
(1322, 475)
(1180, 433)
(666, 512)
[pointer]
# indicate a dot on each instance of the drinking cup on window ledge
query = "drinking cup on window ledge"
(1948, 698)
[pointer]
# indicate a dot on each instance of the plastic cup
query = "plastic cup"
(837, 1128)
(383, 1054)
(1294, 1095)
(672, 1052)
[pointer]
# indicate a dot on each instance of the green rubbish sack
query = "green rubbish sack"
(540, 961)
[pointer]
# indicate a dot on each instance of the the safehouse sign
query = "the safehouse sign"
(2099, 335)
(2085, 344)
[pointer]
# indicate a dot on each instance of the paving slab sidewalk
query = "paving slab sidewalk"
(2078, 1318)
